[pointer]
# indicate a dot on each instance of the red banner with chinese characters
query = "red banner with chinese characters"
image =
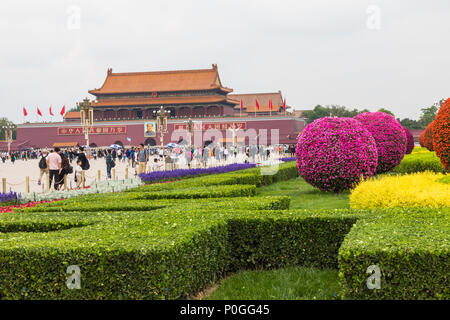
(74, 131)
(203, 126)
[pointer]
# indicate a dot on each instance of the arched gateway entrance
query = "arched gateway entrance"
(150, 142)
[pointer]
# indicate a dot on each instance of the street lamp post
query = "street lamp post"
(190, 130)
(87, 118)
(161, 123)
(234, 129)
(8, 128)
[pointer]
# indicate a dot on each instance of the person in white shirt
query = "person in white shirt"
(156, 166)
(78, 176)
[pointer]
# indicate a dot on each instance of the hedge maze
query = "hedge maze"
(171, 240)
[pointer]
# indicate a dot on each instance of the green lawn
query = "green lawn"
(305, 196)
(295, 283)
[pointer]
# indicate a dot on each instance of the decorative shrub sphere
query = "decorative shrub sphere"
(334, 153)
(441, 134)
(409, 141)
(426, 137)
(389, 137)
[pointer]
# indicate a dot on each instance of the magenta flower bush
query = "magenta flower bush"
(334, 153)
(389, 137)
(409, 141)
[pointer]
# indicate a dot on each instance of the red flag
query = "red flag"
(284, 105)
(63, 110)
(51, 113)
(39, 112)
(257, 104)
(25, 113)
(270, 104)
(242, 105)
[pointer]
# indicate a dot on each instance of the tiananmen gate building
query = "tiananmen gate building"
(124, 110)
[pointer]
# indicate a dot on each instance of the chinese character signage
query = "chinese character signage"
(75, 131)
(203, 126)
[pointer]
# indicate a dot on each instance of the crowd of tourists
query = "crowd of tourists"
(56, 164)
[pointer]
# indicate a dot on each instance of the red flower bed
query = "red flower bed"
(441, 134)
(426, 137)
(24, 205)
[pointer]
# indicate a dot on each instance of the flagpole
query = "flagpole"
(240, 112)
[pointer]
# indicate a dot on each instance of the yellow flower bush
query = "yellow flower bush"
(412, 190)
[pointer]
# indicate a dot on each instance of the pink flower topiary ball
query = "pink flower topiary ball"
(409, 141)
(389, 137)
(334, 153)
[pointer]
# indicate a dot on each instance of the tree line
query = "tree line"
(4, 122)
(426, 117)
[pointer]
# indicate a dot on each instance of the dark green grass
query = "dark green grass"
(305, 196)
(295, 283)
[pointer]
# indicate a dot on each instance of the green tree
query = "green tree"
(3, 122)
(410, 124)
(74, 109)
(330, 111)
(428, 115)
(386, 111)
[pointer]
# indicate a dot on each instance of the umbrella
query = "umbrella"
(115, 146)
(171, 145)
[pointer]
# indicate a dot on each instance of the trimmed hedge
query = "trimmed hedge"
(259, 203)
(147, 249)
(215, 180)
(410, 246)
(420, 162)
(199, 192)
(135, 255)
(278, 239)
(169, 175)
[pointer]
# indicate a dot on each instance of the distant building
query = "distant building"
(124, 107)
(249, 103)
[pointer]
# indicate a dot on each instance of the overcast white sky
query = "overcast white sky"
(357, 53)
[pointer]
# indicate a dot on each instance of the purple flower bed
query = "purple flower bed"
(389, 137)
(9, 197)
(288, 159)
(334, 153)
(180, 173)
